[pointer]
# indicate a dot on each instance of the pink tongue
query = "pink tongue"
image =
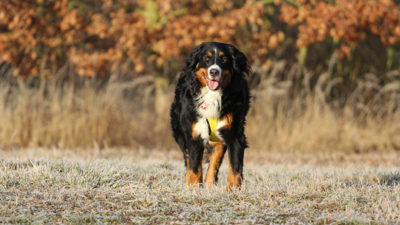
(212, 84)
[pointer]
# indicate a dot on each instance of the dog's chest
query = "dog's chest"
(209, 108)
(209, 103)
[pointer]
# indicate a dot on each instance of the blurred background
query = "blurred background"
(101, 73)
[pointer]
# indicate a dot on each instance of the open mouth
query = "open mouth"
(213, 84)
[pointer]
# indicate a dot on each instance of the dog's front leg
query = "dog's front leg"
(194, 156)
(194, 170)
(235, 171)
(215, 158)
(236, 146)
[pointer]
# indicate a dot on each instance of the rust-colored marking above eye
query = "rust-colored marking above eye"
(221, 53)
(209, 54)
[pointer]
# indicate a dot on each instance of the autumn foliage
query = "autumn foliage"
(40, 36)
(347, 21)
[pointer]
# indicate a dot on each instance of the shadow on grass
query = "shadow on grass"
(386, 179)
(390, 179)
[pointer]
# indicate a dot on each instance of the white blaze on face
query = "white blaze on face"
(215, 54)
(213, 82)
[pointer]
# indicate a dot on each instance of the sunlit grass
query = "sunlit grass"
(48, 186)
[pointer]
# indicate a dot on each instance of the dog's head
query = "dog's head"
(216, 64)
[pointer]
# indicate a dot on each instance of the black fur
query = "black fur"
(235, 100)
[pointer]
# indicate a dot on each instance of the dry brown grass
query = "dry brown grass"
(315, 127)
(285, 117)
(146, 186)
(134, 113)
(48, 116)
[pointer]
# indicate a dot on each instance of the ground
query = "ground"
(47, 186)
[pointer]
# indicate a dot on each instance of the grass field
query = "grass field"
(47, 186)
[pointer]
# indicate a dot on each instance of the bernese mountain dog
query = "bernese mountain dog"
(208, 112)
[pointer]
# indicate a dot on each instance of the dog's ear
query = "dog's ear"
(194, 57)
(240, 62)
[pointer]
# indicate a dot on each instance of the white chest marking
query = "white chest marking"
(201, 128)
(209, 106)
(220, 124)
(209, 103)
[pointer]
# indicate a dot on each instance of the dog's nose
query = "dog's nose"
(214, 72)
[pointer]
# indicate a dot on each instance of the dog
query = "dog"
(211, 102)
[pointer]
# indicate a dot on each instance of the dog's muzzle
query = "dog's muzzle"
(214, 72)
(214, 77)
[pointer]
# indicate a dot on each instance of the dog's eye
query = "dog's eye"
(224, 59)
(207, 58)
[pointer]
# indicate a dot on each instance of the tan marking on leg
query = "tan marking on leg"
(228, 121)
(200, 74)
(193, 178)
(234, 180)
(195, 134)
(227, 78)
(215, 160)
(187, 158)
